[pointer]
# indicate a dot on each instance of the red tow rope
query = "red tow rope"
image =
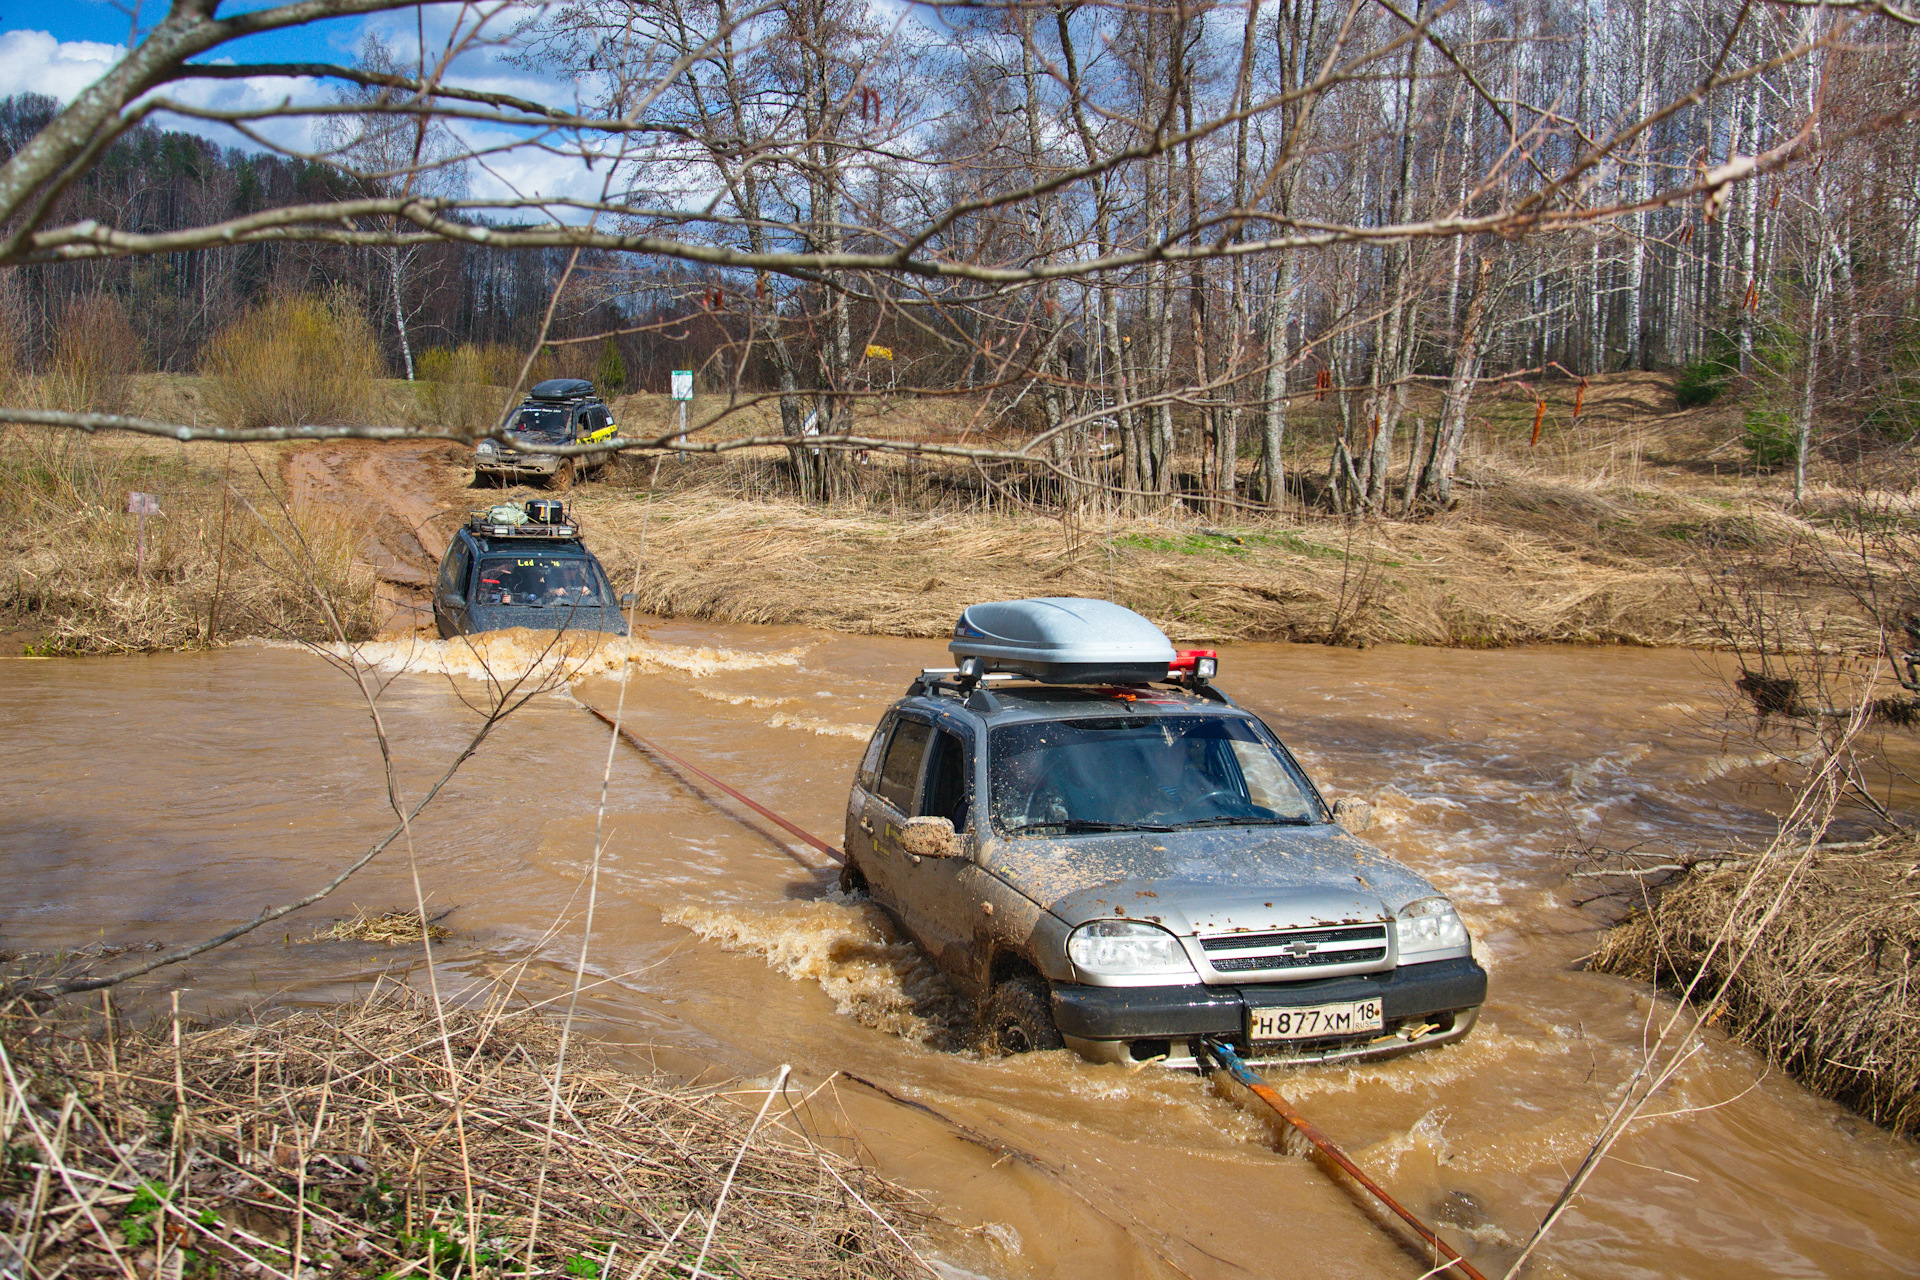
(702, 774)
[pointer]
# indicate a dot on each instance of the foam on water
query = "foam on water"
(825, 728)
(517, 652)
(850, 949)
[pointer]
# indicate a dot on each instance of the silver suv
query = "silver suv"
(1109, 855)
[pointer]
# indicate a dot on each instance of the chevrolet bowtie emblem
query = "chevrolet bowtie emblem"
(1301, 948)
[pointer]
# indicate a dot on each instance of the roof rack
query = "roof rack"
(563, 389)
(495, 522)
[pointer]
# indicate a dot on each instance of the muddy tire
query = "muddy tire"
(562, 480)
(1019, 1018)
(852, 879)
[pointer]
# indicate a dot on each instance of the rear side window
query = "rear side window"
(900, 771)
(945, 795)
(870, 762)
(453, 573)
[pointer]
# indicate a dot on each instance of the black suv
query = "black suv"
(1114, 858)
(557, 411)
(523, 567)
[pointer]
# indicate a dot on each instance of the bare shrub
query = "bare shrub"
(464, 388)
(95, 355)
(294, 359)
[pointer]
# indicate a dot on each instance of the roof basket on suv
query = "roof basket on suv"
(540, 518)
(1063, 640)
(562, 389)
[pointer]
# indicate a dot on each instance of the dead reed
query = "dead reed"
(391, 927)
(1831, 991)
(324, 1142)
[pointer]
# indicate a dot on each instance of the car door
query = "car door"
(449, 617)
(858, 841)
(939, 895)
(896, 788)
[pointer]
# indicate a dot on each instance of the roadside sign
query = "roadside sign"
(683, 384)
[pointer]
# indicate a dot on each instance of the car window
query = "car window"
(540, 422)
(538, 580)
(945, 795)
(453, 571)
(900, 772)
(1165, 772)
(596, 419)
(870, 762)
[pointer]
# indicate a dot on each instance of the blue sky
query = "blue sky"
(58, 47)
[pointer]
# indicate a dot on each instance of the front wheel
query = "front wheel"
(1019, 1018)
(562, 478)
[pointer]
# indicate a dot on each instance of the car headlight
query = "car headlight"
(1430, 924)
(1126, 948)
(484, 447)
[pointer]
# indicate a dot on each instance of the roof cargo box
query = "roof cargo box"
(562, 389)
(1063, 640)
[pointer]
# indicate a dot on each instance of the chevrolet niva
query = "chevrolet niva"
(1099, 846)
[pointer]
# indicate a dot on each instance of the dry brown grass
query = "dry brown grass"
(390, 927)
(324, 1142)
(1455, 580)
(73, 578)
(1832, 989)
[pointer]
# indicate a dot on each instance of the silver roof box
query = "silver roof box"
(1063, 640)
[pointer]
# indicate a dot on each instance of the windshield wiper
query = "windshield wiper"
(1250, 820)
(1083, 824)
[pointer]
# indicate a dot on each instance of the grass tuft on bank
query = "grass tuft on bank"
(77, 580)
(1831, 992)
(325, 1142)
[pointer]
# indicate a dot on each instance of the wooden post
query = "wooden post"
(140, 506)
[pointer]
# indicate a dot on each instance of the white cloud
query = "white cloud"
(35, 62)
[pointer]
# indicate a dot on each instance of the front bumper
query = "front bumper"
(507, 464)
(1421, 1005)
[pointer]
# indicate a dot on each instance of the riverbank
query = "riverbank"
(387, 1138)
(1827, 992)
(1598, 534)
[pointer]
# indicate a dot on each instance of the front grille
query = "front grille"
(1297, 948)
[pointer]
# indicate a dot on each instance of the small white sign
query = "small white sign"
(683, 384)
(142, 504)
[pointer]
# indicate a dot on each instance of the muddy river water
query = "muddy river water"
(162, 797)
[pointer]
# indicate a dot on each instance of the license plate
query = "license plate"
(1315, 1021)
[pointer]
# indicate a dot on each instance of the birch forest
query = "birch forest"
(1144, 236)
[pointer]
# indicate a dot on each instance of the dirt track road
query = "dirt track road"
(404, 498)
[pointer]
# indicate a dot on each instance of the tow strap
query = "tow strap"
(1239, 1070)
(1222, 1054)
(702, 774)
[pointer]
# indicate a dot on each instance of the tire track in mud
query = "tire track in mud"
(403, 498)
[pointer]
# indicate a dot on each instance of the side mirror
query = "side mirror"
(453, 600)
(930, 838)
(1354, 814)
(628, 599)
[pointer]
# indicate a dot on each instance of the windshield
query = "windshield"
(565, 581)
(546, 425)
(1154, 773)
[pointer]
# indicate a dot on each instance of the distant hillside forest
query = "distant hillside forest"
(157, 180)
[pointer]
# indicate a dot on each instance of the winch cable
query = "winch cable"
(1231, 1062)
(1222, 1054)
(654, 747)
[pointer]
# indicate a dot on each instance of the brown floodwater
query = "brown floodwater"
(159, 798)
